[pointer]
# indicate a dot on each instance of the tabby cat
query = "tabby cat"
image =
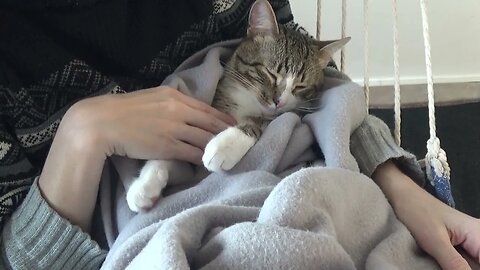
(274, 70)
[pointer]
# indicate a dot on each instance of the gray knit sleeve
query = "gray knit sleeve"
(36, 237)
(372, 144)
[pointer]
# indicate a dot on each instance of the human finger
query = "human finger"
(205, 121)
(201, 106)
(472, 261)
(186, 152)
(193, 135)
(445, 254)
(470, 240)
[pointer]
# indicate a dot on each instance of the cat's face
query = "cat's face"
(282, 68)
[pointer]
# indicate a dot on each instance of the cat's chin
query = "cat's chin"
(269, 114)
(269, 117)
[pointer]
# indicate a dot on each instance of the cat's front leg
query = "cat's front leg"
(226, 149)
(146, 189)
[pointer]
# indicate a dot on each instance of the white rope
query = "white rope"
(428, 61)
(396, 65)
(344, 32)
(366, 47)
(319, 18)
(436, 157)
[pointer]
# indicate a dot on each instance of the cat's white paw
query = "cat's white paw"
(226, 149)
(146, 189)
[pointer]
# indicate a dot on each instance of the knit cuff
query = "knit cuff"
(372, 145)
(36, 237)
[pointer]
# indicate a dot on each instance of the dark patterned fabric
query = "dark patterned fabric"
(54, 53)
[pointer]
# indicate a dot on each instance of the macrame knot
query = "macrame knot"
(437, 158)
(438, 171)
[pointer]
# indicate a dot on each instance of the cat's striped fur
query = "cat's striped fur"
(274, 70)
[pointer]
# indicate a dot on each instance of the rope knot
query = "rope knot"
(436, 159)
(438, 171)
(433, 146)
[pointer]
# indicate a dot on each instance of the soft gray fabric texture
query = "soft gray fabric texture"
(37, 237)
(271, 211)
(372, 144)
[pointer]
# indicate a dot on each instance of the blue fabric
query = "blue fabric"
(441, 184)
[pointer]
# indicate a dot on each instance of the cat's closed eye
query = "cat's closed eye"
(255, 76)
(299, 88)
(271, 76)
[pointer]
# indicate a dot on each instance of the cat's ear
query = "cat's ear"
(328, 48)
(261, 20)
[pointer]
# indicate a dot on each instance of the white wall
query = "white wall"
(454, 30)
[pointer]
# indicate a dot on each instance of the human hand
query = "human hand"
(156, 123)
(436, 227)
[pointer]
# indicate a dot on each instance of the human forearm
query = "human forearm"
(404, 194)
(396, 186)
(71, 174)
(436, 227)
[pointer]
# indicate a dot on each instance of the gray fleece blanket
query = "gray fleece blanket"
(284, 206)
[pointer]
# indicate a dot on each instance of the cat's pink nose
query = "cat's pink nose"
(279, 103)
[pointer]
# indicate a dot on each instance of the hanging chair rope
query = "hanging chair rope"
(344, 34)
(319, 18)
(438, 170)
(396, 67)
(366, 47)
(428, 61)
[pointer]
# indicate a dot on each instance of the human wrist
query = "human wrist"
(82, 145)
(396, 186)
(72, 172)
(77, 131)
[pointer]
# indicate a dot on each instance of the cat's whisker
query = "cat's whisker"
(228, 68)
(234, 72)
(310, 108)
(311, 100)
(247, 83)
(303, 111)
(243, 79)
(306, 109)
